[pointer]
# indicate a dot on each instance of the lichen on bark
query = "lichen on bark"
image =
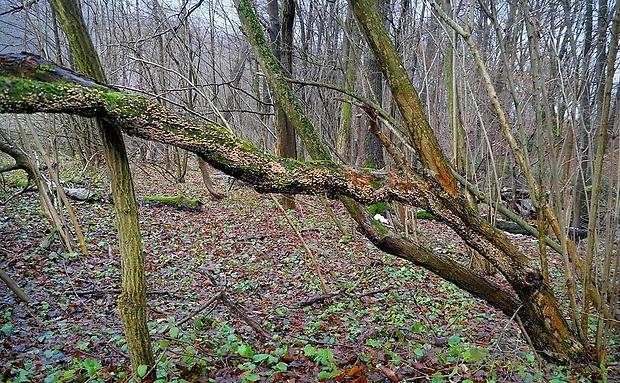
(268, 173)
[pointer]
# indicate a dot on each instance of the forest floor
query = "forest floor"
(387, 320)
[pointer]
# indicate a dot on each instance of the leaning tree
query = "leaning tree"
(29, 84)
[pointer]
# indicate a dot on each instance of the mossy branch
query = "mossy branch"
(22, 92)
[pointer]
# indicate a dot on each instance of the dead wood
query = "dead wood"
(179, 202)
(81, 194)
(199, 309)
(13, 286)
(101, 293)
(324, 297)
(234, 307)
(241, 313)
(320, 298)
(383, 290)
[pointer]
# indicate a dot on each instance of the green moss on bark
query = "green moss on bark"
(178, 201)
(380, 228)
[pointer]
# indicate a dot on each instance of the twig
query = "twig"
(331, 214)
(324, 297)
(330, 344)
(114, 291)
(8, 252)
(199, 309)
(240, 312)
(303, 243)
(383, 290)
(320, 298)
(233, 307)
(26, 188)
(529, 341)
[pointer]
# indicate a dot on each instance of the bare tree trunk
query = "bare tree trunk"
(601, 144)
(281, 36)
(373, 151)
(583, 175)
(547, 327)
(132, 302)
(206, 178)
(460, 146)
(344, 138)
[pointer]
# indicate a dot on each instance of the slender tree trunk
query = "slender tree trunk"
(545, 322)
(459, 137)
(373, 151)
(281, 36)
(344, 139)
(583, 174)
(206, 178)
(606, 84)
(132, 302)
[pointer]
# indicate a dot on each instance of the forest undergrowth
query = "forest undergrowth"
(384, 320)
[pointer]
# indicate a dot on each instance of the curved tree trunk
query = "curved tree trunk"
(132, 302)
(206, 178)
(541, 315)
(217, 145)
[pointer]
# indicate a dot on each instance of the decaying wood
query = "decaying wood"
(14, 287)
(218, 146)
(81, 194)
(199, 309)
(101, 293)
(234, 308)
(319, 299)
(241, 313)
(179, 202)
(27, 88)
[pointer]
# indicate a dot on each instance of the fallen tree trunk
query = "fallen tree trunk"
(514, 228)
(179, 201)
(26, 88)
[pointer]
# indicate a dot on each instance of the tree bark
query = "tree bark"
(405, 95)
(132, 302)
(546, 324)
(459, 137)
(344, 140)
(541, 317)
(373, 151)
(281, 36)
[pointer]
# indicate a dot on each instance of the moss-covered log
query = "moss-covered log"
(23, 92)
(26, 89)
(138, 117)
(177, 201)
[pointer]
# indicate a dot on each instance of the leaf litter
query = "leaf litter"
(384, 320)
